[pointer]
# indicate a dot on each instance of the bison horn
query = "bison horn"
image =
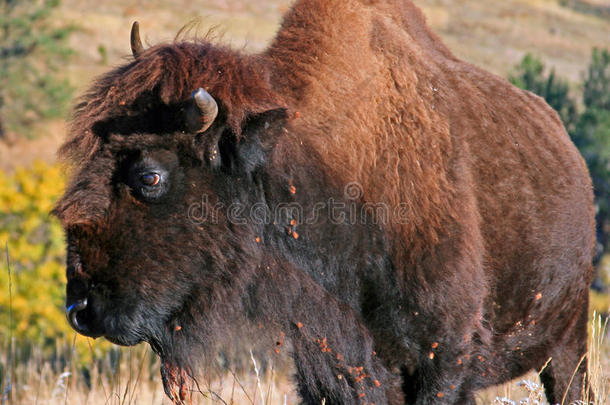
(136, 42)
(206, 110)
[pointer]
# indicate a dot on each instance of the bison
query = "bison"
(404, 226)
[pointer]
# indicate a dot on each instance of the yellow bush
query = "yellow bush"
(36, 250)
(599, 302)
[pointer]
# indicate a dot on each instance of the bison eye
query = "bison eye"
(150, 179)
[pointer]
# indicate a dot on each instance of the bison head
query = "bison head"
(157, 163)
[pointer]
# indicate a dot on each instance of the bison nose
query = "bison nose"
(72, 313)
(82, 318)
(82, 307)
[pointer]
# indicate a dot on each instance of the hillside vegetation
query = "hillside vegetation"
(492, 34)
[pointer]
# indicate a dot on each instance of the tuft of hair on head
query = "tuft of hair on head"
(192, 31)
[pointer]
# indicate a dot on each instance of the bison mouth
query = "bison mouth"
(90, 317)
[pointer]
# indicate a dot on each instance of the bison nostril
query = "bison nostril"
(73, 310)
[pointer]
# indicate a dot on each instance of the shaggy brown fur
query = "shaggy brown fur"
(483, 278)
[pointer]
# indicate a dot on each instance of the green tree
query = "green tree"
(530, 75)
(596, 93)
(590, 130)
(592, 136)
(33, 49)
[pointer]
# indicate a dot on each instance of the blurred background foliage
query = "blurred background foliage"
(33, 50)
(38, 53)
(31, 311)
(34, 245)
(586, 115)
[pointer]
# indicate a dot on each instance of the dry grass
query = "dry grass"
(130, 376)
(496, 34)
(127, 376)
(20, 151)
(492, 34)
(529, 391)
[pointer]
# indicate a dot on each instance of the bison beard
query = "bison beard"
(406, 227)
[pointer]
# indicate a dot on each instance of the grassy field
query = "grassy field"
(492, 34)
(130, 376)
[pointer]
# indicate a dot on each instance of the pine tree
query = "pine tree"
(597, 81)
(530, 75)
(592, 136)
(590, 130)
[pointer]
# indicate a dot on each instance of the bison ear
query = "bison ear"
(260, 134)
(248, 152)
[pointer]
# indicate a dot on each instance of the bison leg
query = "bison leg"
(440, 385)
(339, 366)
(565, 375)
(334, 352)
(466, 397)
